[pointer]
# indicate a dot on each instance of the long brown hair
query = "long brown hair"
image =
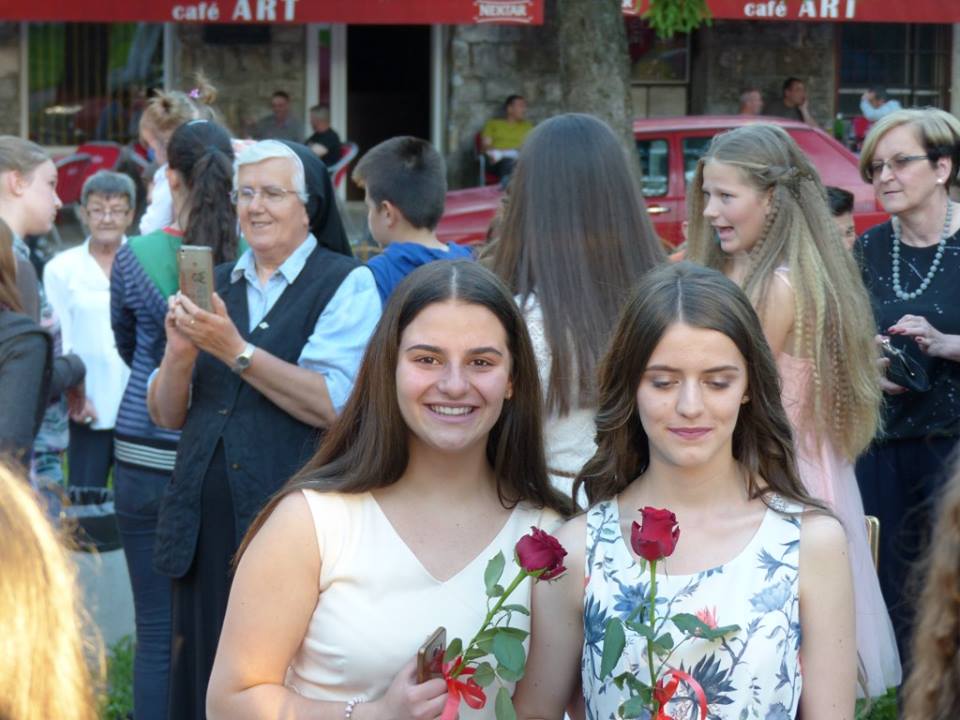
(367, 447)
(576, 234)
(932, 690)
(9, 294)
(702, 298)
(833, 320)
(51, 662)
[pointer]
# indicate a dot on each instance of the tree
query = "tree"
(594, 67)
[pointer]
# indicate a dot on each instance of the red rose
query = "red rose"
(657, 537)
(541, 551)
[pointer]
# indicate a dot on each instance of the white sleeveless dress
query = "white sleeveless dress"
(753, 673)
(377, 603)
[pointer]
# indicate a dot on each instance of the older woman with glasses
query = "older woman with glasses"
(252, 385)
(77, 282)
(909, 266)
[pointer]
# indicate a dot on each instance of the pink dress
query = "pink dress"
(829, 477)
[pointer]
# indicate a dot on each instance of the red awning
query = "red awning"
(374, 12)
(893, 11)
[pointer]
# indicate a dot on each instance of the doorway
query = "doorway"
(388, 85)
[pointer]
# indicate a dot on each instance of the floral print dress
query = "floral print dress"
(753, 673)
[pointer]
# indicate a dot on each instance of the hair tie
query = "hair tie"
(195, 93)
(792, 178)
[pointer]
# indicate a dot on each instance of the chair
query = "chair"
(873, 538)
(487, 177)
(339, 170)
(71, 172)
(104, 155)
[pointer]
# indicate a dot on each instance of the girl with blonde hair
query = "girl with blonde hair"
(758, 213)
(45, 666)
(165, 112)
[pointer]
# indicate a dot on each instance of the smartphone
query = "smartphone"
(430, 656)
(195, 264)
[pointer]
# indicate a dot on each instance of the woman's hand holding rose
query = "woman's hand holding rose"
(406, 700)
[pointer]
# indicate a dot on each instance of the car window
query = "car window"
(693, 150)
(653, 162)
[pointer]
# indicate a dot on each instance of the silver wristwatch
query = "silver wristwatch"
(242, 361)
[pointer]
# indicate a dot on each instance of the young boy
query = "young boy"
(405, 183)
(841, 207)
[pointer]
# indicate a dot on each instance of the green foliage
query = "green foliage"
(668, 17)
(614, 640)
(881, 708)
(453, 649)
(118, 701)
(692, 625)
(509, 652)
(493, 573)
(504, 706)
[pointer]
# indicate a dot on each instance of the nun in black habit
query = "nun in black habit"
(253, 385)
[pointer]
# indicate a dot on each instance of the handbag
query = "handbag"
(904, 370)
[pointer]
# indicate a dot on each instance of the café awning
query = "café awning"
(892, 11)
(374, 12)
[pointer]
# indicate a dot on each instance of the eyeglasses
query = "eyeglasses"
(896, 164)
(102, 213)
(271, 194)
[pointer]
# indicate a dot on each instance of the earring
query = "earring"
(939, 181)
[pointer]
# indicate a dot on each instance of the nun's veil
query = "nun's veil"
(322, 210)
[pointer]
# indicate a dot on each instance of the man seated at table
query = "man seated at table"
(502, 137)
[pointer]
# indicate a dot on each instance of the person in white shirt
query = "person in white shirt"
(875, 104)
(77, 282)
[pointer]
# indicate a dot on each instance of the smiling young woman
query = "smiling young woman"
(435, 464)
(690, 419)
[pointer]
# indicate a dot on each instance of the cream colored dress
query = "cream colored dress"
(378, 604)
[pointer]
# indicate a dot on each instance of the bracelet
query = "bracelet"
(354, 701)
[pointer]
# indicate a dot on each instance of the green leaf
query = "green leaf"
(519, 634)
(642, 629)
(474, 653)
(516, 608)
(634, 707)
(453, 649)
(509, 675)
(692, 625)
(495, 591)
(509, 651)
(665, 641)
(614, 640)
(504, 706)
(484, 674)
(493, 573)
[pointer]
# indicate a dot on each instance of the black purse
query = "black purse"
(904, 370)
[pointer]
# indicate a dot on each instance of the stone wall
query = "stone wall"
(245, 75)
(486, 64)
(731, 55)
(9, 78)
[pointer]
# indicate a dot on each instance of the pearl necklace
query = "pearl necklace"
(895, 253)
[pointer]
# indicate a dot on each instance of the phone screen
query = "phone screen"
(430, 656)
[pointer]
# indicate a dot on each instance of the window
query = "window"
(911, 61)
(88, 81)
(655, 167)
(693, 150)
(659, 70)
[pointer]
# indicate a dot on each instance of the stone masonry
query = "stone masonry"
(245, 75)
(486, 64)
(731, 55)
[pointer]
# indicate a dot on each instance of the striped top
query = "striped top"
(137, 310)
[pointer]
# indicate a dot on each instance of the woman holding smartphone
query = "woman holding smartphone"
(143, 276)
(434, 466)
(690, 419)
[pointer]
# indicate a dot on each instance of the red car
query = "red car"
(669, 149)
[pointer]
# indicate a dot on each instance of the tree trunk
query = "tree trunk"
(594, 67)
